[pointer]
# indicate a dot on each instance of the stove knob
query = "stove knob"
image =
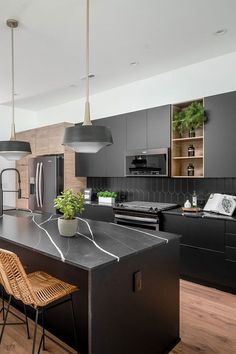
(151, 209)
(121, 205)
(156, 209)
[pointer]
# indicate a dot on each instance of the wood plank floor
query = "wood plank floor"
(208, 325)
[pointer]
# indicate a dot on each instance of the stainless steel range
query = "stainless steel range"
(140, 214)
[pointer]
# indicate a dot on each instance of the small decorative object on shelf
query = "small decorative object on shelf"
(191, 150)
(106, 197)
(69, 204)
(187, 204)
(191, 133)
(190, 170)
(194, 199)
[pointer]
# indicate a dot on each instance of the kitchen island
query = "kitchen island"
(128, 279)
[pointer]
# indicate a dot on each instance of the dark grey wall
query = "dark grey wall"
(163, 189)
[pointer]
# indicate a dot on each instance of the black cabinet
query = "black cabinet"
(220, 135)
(208, 249)
(110, 161)
(149, 129)
(158, 127)
(136, 130)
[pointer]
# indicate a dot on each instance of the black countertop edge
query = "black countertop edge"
(201, 214)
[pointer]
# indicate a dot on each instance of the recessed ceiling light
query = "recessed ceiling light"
(220, 32)
(72, 85)
(91, 76)
(134, 63)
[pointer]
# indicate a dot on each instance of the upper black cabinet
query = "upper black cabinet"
(137, 130)
(158, 127)
(149, 129)
(220, 135)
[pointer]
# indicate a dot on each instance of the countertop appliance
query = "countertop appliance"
(221, 204)
(141, 214)
(153, 162)
(46, 179)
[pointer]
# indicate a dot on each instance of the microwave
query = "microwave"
(149, 163)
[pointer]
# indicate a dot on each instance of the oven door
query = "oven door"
(145, 221)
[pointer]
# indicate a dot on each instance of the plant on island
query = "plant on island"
(69, 204)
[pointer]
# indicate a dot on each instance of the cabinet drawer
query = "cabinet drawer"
(197, 232)
(230, 240)
(230, 254)
(230, 227)
(202, 264)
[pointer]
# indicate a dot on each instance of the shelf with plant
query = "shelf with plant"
(188, 121)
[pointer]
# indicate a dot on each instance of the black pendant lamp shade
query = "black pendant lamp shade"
(87, 138)
(14, 150)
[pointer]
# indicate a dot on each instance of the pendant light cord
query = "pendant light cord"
(87, 119)
(13, 130)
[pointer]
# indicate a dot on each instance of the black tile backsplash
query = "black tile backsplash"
(170, 190)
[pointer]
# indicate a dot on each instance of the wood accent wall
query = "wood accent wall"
(47, 141)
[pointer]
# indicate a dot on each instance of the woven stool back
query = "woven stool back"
(14, 278)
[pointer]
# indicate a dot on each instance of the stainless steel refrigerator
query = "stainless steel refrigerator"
(46, 181)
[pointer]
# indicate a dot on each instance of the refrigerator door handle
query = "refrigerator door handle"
(37, 184)
(40, 185)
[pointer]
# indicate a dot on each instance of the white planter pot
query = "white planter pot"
(67, 228)
(103, 200)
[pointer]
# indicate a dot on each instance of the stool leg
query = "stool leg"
(3, 303)
(35, 330)
(43, 325)
(5, 319)
(26, 322)
(74, 323)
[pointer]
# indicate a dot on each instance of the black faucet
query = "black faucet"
(2, 191)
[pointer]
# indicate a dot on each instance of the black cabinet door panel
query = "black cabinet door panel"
(220, 135)
(158, 127)
(230, 227)
(202, 264)
(197, 232)
(137, 130)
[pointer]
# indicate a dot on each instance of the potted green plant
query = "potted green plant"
(189, 119)
(69, 204)
(106, 197)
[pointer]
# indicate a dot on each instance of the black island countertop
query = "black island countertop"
(201, 214)
(79, 250)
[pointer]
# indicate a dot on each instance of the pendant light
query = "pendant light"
(87, 138)
(13, 149)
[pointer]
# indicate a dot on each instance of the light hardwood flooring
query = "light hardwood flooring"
(208, 325)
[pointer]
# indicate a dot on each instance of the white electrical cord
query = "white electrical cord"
(142, 232)
(47, 233)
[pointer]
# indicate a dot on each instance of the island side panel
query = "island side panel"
(141, 322)
(59, 320)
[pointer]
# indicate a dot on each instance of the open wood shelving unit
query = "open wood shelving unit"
(179, 149)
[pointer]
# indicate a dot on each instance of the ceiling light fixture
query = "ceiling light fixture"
(87, 138)
(134, 63)
(13, 149)
(220, 32)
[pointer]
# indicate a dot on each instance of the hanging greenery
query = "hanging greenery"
(189, 118)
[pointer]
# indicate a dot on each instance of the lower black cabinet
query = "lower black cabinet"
(208, 249)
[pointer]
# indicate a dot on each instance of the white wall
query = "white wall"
(203, 79)
(24, 120)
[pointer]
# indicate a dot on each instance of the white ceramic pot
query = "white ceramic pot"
(67, 228)
(103, 200)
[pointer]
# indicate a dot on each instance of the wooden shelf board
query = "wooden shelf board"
(187, 157)
(187, 176)
(188, 139)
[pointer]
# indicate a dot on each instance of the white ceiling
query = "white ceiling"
(50, 43)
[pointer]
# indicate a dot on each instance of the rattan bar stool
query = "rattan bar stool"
(39, 290)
